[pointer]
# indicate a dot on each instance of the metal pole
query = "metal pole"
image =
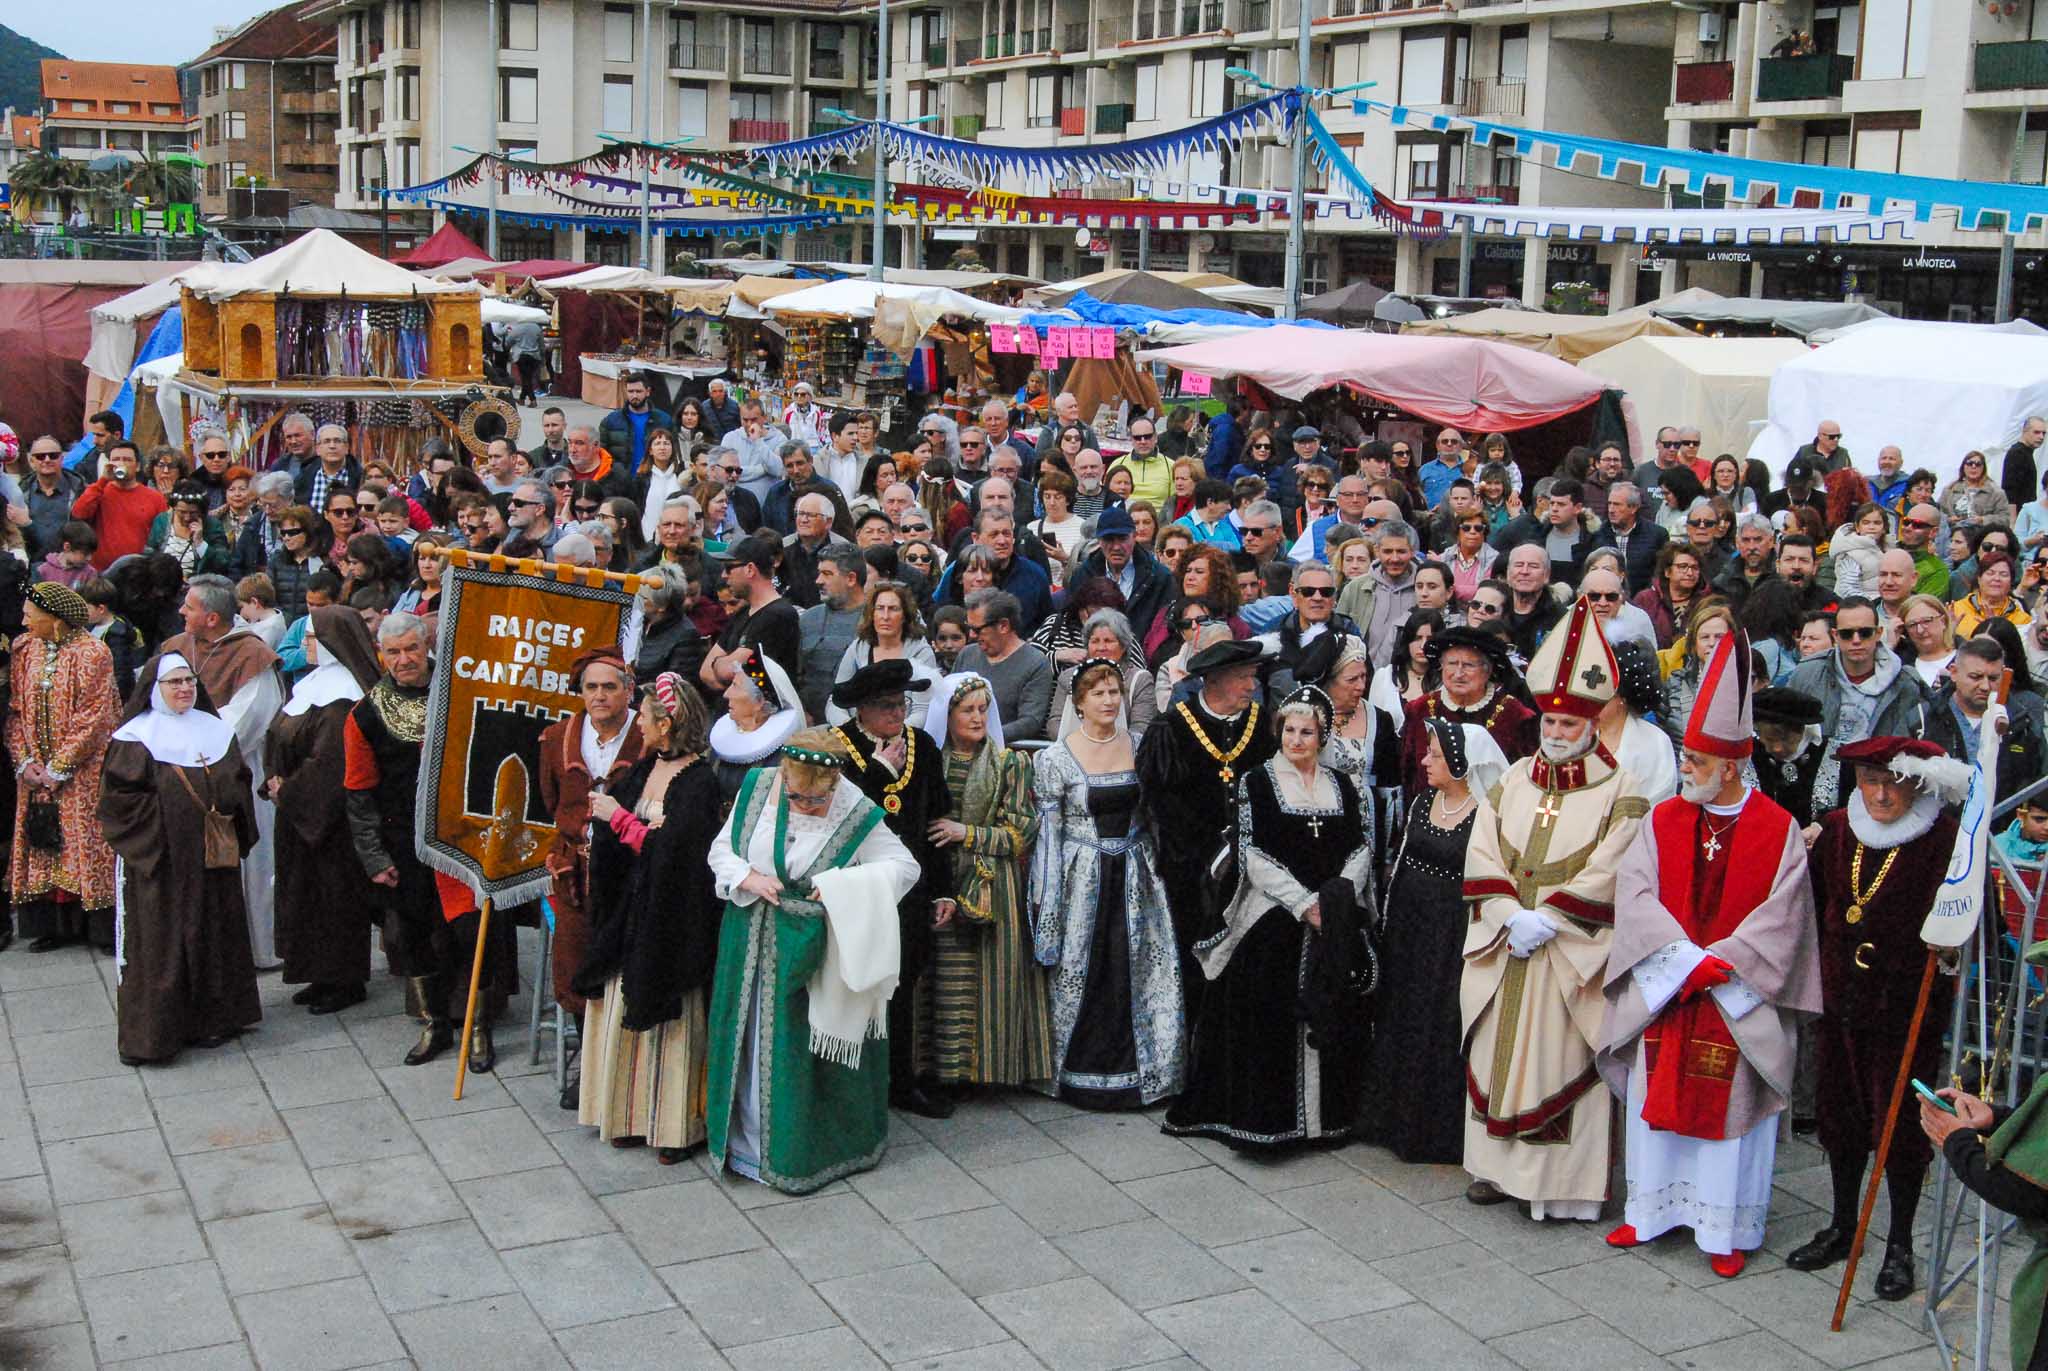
(2003, 309)
(646, 128)
(491, 199)
(383, 220)
(1297, 198)
(1465, 259)
(877, 271)
(1144, 245)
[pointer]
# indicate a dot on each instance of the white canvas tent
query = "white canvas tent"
(116, 331)
(319, 263)
(1721, 384)
(855, 299)
(1936, 392)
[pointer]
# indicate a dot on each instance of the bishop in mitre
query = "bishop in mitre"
(1715, 965)
(1539, 876)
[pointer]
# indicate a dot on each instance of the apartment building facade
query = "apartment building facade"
(94, 108)
(267, 109)
(420, 81)
(1877, 84)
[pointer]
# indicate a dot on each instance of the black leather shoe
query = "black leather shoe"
(916, 1101)
(572, 1094)
(1485, 1192)
(51, 943)
(1895, 1277)
(337, 998)
(436, 1038)
(483, 1053)
(309, 993)
(1823, 1249)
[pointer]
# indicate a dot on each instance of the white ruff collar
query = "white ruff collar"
(1915, 823)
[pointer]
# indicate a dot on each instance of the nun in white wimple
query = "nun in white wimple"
(176, 807)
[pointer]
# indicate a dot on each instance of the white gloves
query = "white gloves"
(1529, 929)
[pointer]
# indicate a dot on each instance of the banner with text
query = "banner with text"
(502, 674)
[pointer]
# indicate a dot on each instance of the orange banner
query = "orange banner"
(503, 661)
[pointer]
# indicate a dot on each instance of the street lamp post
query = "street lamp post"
(1297, 196)
(491, 193)
(646, 150)
(875, 272)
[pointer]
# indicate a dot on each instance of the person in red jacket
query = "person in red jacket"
(119, 506)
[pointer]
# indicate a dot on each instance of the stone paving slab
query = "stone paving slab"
(300, 1201)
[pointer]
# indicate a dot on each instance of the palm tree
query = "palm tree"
(45, 177)
(160, 183)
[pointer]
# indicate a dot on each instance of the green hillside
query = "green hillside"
(21, 76)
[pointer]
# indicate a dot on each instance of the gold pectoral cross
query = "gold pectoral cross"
(1549, 810)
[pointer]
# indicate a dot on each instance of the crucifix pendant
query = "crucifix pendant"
(1549, 809)
(1713, 846)
(1315, 826)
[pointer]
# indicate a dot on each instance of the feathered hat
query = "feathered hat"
(1573, 671)
(1915, 760)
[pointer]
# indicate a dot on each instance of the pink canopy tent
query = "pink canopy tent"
(1469, 383)
(448, 244)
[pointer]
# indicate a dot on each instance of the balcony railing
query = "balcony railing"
(967, 125)
(1073, 122)
(2011, 66)
(1495, 194)
(1202, 18)
(1000, 46)
(935, 54)
(309, 154)
(764, 62)
(1704, 83)
(830, 65)
(696, 56)
(1040, 40)
(326, 101)
(1074, 37)
(1144, 25)
(760, 130)
(1491, 95)
(1819, 77)
(1112, 118)
(965, 50)
(1255, 15)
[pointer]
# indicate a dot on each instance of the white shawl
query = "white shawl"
(850, 991)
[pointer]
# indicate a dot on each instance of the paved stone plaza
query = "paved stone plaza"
(300, 1202)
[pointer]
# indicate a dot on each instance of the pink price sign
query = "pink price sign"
(1192, 383)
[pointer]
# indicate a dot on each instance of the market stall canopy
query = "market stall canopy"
(1723, 385)
(855, 299)
(115, 324)
(1463, 381)
(496, 311)
(46, 327)
(1348, 306)
(1269, 298)
(448, 244)
(1152, 322)
(319, 263)
(461, 269)
(917, 276)
(1937, 393)
(620, 278)
(1148, 291)
(1796, 317)
(2023, 327)
(1572, 337)
(739, 299)
(1093, 284)
(535, 269)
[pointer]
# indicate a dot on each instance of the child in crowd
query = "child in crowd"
(71, 564)
(103, 623)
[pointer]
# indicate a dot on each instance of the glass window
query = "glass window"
(518, 96)
(238, 76)
(1205, 92)
(1514, 52)
(1145, 104)
(408, 26)
(408, 93)
(618, 36)
(519, 25)
(691, 110)
(753, 104)
(237, 124)
(1425, 169)
(618, 104)
(1422, 68)
(1042, 105)
(1347, 60)
(994, 101)
(1895, 38)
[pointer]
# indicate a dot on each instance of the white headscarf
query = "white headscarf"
(193, 738)
(1485, 763)
(939, 712)
(327, 682)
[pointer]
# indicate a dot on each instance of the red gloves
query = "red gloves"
(1711, 971)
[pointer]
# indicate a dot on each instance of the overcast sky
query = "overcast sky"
(165, 31)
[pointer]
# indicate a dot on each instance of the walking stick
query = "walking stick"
(476, 976)
(1884, 1142)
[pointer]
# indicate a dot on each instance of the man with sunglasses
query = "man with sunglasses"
(533, 533)
(1151, 470)
(50, 492)
(1825, 452)
(1865, 690)
(1917, 527)
(1314, 592)
(1445, 467)
(1663, 457)
(1262, 459)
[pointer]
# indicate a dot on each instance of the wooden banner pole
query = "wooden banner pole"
(629, 581)
(476, 976)
(1884, 1142)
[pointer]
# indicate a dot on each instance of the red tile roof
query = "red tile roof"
(108, 83)
(279, 36)
(27, 131)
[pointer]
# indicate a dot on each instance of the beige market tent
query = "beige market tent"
(1572, 337)
(1721, 384)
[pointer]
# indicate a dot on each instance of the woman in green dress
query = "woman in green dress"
(797, 1091)
(986, 1012)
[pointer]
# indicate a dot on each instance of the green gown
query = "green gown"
(807, 1121)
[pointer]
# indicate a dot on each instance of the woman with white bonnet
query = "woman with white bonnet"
(176, 807)
(761, 712)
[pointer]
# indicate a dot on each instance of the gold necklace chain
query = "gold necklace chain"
(1224, 771)
(892, 798)
(1859, 898)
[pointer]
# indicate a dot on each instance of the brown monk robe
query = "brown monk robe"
(184, 973)
(326, 905)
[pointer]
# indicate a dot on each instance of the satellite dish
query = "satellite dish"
(1083, 237)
